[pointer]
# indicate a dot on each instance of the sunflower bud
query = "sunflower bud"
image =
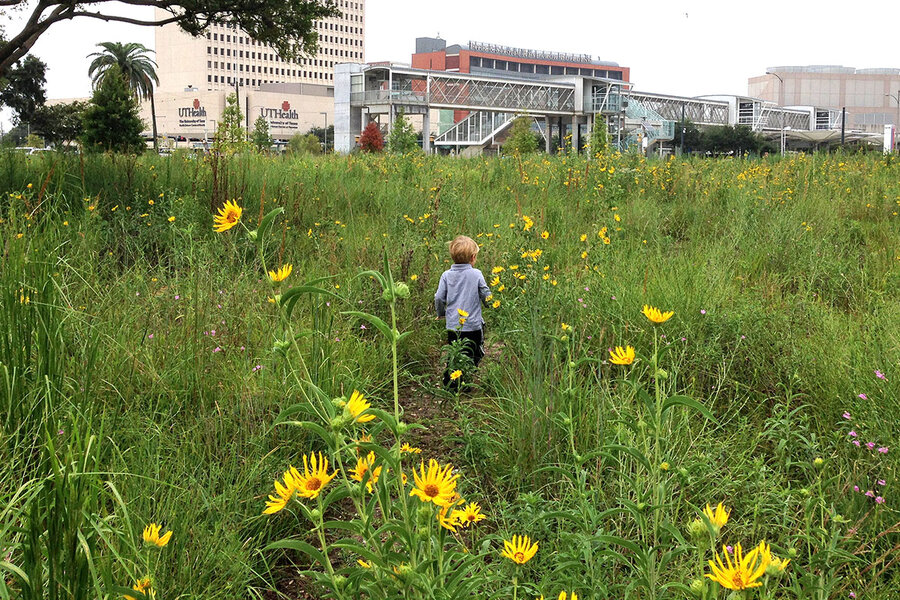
(661, 374)
(402, 428)
(642, 506)
(401, 290)
(818, 462)
(572, 364)
(698, 587)
(564, 338)
(338, 422)
(664, 466)
(340, 582)
(424, 515)
(253, 234)
(792, 552)
(315, 515)
(697, 529)
(281, 346)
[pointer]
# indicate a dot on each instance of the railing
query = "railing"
(476, 129)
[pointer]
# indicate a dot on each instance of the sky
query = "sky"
(680, 47)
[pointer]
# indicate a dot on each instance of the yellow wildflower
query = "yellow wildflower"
(519, 549)
(151, 535)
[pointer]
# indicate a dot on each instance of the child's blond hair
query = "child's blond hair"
(463, 249)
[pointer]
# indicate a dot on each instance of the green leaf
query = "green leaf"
(612, 539)
(631, 452)
(266, 223)
(299, 547)
(315, 428)
(690, 403)
(356, 548)
(381, 325)
(290, 297)
(377, 276)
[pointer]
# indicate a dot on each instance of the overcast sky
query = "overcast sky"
(682, 47)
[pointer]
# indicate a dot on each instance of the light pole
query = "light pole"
(897, 98)
(325, 114)
(780, 103)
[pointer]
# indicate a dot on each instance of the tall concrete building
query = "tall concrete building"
(871, 96)
(226, 54)
(197, 73)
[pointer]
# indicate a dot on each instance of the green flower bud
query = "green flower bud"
(278, 299)
(805, 492)
(661, 374)
(315, 515)
(340, 582)
(793, 553)
(402, 428)
(698, 587)
(339, 402)
(697, 529)
(578, 458)
(642, 506)
(818, 463)
(281, 346)
(424, 515)
(401, 290)
(572, 364)
(253, 234)
(564, 338)
(338, 422)
(664, 466)
(683, 472)
(567, 420)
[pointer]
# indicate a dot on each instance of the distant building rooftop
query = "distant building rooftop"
(833, 69)
(427, 44)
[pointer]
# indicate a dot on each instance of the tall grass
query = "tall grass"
(783, 275)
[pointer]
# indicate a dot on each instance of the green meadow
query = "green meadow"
(151, 372)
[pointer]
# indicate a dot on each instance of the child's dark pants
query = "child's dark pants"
(473, 347)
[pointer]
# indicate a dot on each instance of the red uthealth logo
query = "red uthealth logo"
(285, 106)
(196, 103)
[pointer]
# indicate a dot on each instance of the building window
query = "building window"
(215, 37)
(209, 79)
(557, 70)
(216, 79)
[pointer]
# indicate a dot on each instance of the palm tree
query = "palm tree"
(138, 68)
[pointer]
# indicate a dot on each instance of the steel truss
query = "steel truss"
(697, 111)
(464, 92)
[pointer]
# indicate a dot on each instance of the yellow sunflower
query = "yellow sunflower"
(143, 587)
(471, 514)
(717, 517)
(411, 449)
(281, 274)
(743, 572)
(437, 484)
(654, 314)
(314, 477)
(151, 535)
(283, 492)
(519, 549)
(229, 216)
(621, 356)
(359, 405)
(363, 466)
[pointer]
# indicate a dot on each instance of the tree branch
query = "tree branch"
(120, 19)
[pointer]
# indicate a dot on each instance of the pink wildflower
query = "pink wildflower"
(863, 396)
(883, 450)
(879, 500)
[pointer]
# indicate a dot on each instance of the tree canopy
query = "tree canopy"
(22, 88)
(286, 25)
(111, 122)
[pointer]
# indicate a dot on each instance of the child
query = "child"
(459, 296)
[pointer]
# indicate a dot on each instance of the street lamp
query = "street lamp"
(780, 103)
(325, 114)
(897, 98)
(780, 89)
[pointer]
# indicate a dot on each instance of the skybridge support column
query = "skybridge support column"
(547, 134)
(426, 131)
(590, 132)
(576, 145)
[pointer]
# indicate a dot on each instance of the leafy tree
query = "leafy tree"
(138, 69)
(521, 139)
(599, 135)
(323, 134)
(111, 121)
(403, 138)
(230, 135)
(260, 137)
(33, 140)
(60, 124)
(23, 88)
(304, 144)
(287, 25)
(693, 137)
(371, 139)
